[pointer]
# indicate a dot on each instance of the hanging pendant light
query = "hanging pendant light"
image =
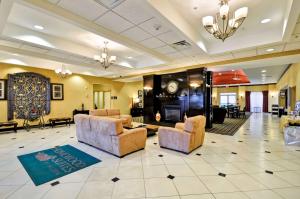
(105, 59)
(224, 24)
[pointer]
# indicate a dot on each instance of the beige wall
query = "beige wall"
(291, 79)
(78, 89)
(240, 93)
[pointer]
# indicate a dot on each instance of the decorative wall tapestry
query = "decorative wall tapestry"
(3, 89)
(26, 92)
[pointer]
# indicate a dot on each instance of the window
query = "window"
(227, 99)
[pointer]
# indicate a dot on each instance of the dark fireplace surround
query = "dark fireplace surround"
(188, 99)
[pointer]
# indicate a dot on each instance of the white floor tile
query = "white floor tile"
(263, 194)
(204, 169)
(289, 193)
(155, 171)
(130, 188)
(218, 184)
(158, 187)
(93, 190)
(66, 191)
(291, 177)
(180, 170)
(235, 195)
(270, 181)
(245, 182)
(189, 185)
(203, 196)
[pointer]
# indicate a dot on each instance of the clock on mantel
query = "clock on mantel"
(172, 87)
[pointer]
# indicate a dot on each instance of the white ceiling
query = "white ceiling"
(141, 33)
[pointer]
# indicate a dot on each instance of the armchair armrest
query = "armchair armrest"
(127, 118)
(129, 141)
(179, 125)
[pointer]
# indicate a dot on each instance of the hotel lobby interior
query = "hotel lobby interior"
(150, 99)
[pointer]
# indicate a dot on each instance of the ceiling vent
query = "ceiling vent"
(180, 45)
(110, 4)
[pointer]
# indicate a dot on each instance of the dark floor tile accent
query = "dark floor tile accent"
(57, 132)
(171, 177)
(155, 143)
(297, 150)
(42, 138)
(55, 183)
(269, 172)
(198, 154)
(234, 153)
(32, 132)
(13, 138)
(240, 141)
(21, 147)
(71, 137)
(160, 155)
(266, 140)
(213, 142)
(115, 179)
(222, 174)
(267, 152)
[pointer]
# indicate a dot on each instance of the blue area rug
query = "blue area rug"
(47, 165)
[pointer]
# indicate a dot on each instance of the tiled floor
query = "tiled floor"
(144, 174)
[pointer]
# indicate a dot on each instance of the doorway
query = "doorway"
(101, 97)
(256, 99)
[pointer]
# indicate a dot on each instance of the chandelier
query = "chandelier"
(224, 24)
(104, 58)
(63, 72)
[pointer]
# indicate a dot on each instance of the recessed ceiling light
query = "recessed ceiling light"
(129, 57)
(270, 50)
(220, 73)
(263, 71)
(265, 21)
(232, 70)
(38, 27)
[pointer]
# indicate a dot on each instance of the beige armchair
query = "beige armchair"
(185, 137)
(109, 135)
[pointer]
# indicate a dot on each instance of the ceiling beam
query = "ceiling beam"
(90, 26)
(65, 60)
(5, 8)
(290, 19)
(166, 8)
(218, 63)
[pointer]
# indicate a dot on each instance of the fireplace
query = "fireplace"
(172, 113)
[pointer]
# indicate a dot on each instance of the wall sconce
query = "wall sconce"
(147, 88)
(241, 96)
